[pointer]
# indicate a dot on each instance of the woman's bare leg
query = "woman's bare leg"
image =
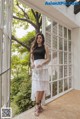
(41, 95)
(37, 103)
(38, 98)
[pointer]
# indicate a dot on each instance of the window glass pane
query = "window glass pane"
(0, 4)
(49, 96)
(60, 72)
(8, 53)
(70, 70)
(48, 25)
(50, 54)
(60, 86)
(8, 82)
(60, 30)
(55, 58)
(69, 34)
(54, 72)
(54, 28)
(65, 71)
(54, 88)
(5, 16)
(65, 45)
(60, 43)
(60, 57)
(50, 72)
(48, 39)
(4, 89)
(69, 46)
(70, 82)
(0, 50)
(69, 58)
(54, 42)
(65, 58)
(5, 55)
(65, 32)
(65, 84)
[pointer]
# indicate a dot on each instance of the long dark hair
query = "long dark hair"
(35, 44)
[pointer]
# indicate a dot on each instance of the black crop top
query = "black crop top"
(39, 52)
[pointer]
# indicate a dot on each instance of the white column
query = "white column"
(0, 95)
(43, 24)
(5, 50)
(76, 57)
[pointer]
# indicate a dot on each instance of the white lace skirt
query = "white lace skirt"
(40, 80)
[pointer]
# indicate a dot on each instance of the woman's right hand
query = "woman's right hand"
(32, 66)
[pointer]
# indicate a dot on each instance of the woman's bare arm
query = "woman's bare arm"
(31, 58)
(47, 56)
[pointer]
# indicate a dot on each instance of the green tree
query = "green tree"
(20, 58)
(22, 17)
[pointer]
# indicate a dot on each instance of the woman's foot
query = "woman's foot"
(40, 109)
(37, 110)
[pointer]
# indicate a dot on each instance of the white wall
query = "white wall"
(58, 12)
(69, 12)
(76, 57)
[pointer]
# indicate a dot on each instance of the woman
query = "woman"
(40, 78)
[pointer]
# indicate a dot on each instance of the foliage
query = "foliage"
(24, 16)
(20, 95)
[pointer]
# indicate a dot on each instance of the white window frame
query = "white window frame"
(44, 32)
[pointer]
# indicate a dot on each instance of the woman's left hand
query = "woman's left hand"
(39, 66)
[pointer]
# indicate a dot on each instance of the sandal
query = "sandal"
(37, 110)
(40, 109)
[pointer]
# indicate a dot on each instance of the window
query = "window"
(58, 38)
